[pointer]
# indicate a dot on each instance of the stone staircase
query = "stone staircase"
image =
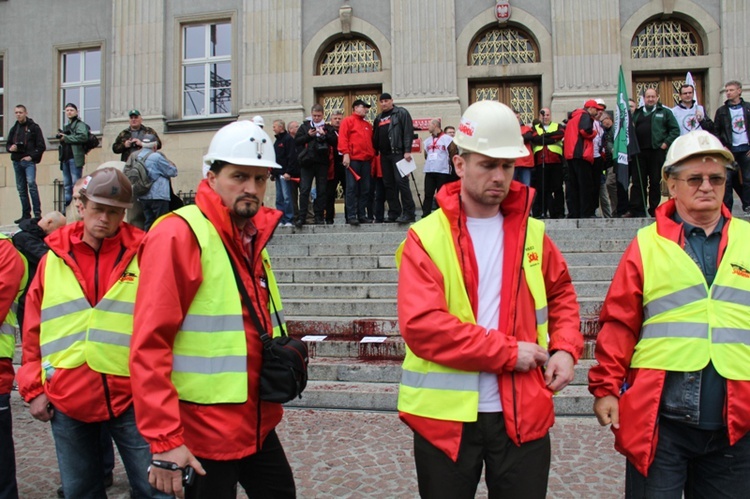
(339, 282)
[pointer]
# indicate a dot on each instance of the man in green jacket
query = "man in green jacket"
(655, 128)
(72, 156)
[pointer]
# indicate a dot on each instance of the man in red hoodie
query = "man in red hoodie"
(196, 350)
(481, 289)
(355, 143)
(578, 147)
(76, 337)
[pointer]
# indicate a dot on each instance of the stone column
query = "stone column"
(137, 58)
(423, 40)
(586, 40)
(735, 41)
(271, 58)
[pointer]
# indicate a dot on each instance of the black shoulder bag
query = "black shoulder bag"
(283, 375)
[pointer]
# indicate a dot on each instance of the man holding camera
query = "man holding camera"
(196, 352)
(314, 139)
(26, 146)
(129, 140)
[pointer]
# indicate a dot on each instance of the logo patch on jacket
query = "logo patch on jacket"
(741, 271)
(128, 277)
(533, 257)
(467, 127)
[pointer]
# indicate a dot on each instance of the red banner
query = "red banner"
(421, 124)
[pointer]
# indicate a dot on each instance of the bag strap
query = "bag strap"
(248, 303)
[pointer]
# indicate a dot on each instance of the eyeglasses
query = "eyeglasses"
(697, 180)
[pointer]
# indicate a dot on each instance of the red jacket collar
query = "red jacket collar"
(211, 206)
(668, 228)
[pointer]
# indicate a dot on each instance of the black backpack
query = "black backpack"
(91, 141)
(135, 170)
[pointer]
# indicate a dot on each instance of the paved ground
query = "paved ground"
(353, 455)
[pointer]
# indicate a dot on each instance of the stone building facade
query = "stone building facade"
(190, 67)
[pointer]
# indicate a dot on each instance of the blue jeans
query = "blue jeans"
(284, 199)
(153, 209)
(71, 174)
(523, 175)
(80, 459)
(8, 488)
(357, 191)
(26, 181)
(699, 462)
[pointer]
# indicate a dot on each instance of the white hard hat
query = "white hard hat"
(242, 143)
(258, 120)
(601, 103)
(691, 144)
(490, 128)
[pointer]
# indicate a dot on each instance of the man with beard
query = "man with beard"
(196, 351)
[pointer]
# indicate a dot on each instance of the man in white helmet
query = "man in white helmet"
(196, 352)
(485, 302)
(673, 377)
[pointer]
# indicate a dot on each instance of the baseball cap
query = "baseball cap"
(149, 140)
(385, 96)
(360, 102)
(134, 112)
(592, 103)
(108, 186)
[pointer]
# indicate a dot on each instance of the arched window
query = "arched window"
(670, 38)
(503, 46)
(356, 55)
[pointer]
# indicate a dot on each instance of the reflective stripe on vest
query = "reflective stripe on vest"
(10, 323)
(681, 314)
(210, 349)
(435, 391)
(72, 332)
(554, 147)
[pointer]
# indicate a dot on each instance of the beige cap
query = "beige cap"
(697, 142)
(108, 186)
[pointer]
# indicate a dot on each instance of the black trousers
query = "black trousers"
(265, 474)
(8, 488)
(510, 471)
(319, 173)
(339, 177)
(548, 183)
(432, 184)
(581, 186)
(647, 169)
(396, 186)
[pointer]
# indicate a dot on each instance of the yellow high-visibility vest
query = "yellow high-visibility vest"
(210, 350)
(73, 332)
(687, 324)
(10, 323)
(435, 391)
(554, 147)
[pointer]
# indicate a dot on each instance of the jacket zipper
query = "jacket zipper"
(250, 267)
(513, 311)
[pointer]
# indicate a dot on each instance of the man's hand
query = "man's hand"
(699, 116)
(560, 370)
(407, 156)
(346, 160)
(137, 142)
(607, 410)
(40, 409)
(530, 356)
(287, 176)
(26, 158)
(664, 147)
(170, 482)
(13, 148)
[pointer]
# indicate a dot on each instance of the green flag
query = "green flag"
(625, 144)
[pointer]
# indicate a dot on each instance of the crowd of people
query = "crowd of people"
(141, 339)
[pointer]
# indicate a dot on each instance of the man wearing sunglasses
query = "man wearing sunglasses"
(673, 377)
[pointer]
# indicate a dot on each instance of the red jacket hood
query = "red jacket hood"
(673, 231)
(211, 205)
(517, 202)
(128, 236)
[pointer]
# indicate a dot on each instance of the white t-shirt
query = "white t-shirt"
(739, 134)
(487, 239)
